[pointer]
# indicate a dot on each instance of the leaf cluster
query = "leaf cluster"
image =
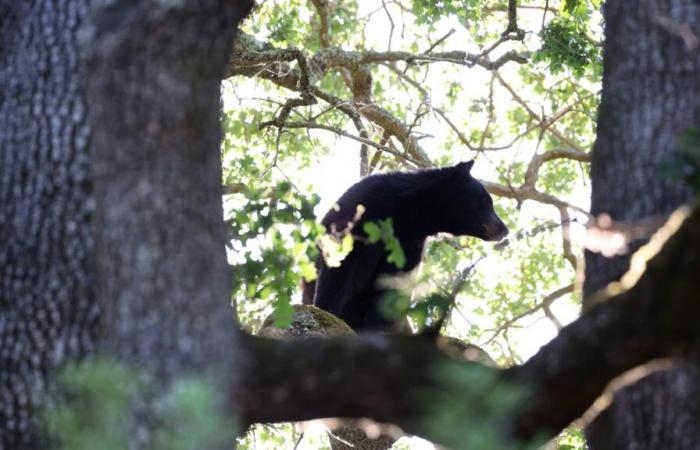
(100, 403)
(565, 41)
(273, 233)
(383, 230)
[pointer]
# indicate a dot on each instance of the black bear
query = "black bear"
(420, 204)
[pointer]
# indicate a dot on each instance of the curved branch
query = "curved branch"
(541, 158)
(395, 378)
(527, 193)
(363, 140)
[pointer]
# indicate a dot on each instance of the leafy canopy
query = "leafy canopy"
(375, 86)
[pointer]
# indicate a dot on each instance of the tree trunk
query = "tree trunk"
(48, 312)
(651, 96)
(157, 176)
(135, 152)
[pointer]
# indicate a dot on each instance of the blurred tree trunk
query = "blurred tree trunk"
(651, 96)
(111, 236)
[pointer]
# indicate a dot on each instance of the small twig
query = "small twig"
(409, 80)
(364, 161)
(490, 116)
(515, 359)
(539, 159)
(566, 237)
(391, 22)
(439, 41)
(298, 441)
(521, 234)
(434, 330)
(274, 158)
(552, 318)
(351, 136)
(547, 125)
(546, 301)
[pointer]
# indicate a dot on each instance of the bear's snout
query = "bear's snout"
(495, 229)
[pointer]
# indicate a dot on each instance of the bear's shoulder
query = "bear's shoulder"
(382, 194)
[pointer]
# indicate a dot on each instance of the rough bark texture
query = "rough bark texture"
(309, 321)
(651, 96)
(660, 412)
(154, 158)
(154, 73)
(47, 308)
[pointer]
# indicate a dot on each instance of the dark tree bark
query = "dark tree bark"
(651, 96)
(134, 151)
(48, 312)
(154, 76)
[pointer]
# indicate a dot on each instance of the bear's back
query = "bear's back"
(382, 196)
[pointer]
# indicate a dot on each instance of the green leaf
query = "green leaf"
(374, 233)
(396, 254)
(283, 313)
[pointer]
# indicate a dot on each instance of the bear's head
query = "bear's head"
(470, 210)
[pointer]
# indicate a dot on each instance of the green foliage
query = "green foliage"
(282, 436)
(565, 41)
(571, 438)
(343, 21)
(383, 230)
(100, 404)
(684, 163)
(473, 394)
(189, 417)
(423, 311)
(90, 407)
(285, 24)
(423, 295)
(559, 176)
(336, 248)
(429, 11)
(273, 234)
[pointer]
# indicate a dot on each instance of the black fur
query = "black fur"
(420, 204)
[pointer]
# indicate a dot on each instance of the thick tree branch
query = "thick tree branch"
(394, 378)
(527, 193)
(249, 53)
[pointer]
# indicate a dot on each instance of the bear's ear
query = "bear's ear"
(466, 166)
